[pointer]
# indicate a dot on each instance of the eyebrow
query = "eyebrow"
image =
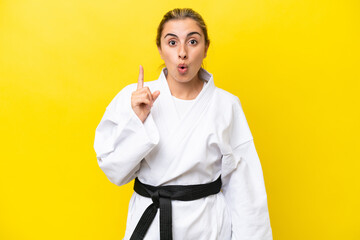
(189, 34)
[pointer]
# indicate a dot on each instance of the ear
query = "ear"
(206, 49)
(160, 52)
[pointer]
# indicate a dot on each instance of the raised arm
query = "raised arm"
(124, 137)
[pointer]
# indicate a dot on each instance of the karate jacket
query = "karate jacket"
(211, 139)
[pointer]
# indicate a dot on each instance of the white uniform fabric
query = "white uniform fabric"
(211, 139)
(182, 106)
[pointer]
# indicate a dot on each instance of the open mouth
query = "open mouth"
(182, 69)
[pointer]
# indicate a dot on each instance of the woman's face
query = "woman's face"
(182, 49)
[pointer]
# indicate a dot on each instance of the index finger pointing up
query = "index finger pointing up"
(141, 78)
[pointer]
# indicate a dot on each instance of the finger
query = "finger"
(142, 93)
(146, 93)
(141, 78)
(150, 96)
(138, 101)
(155, 95)
(146, 102)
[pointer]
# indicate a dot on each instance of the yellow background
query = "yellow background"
(293, 64)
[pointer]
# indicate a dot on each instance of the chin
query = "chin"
(185, 78)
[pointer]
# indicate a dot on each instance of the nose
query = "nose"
(182, 51)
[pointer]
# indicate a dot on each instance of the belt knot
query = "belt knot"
(157, 194)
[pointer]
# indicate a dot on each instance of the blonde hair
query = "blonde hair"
(182, 13)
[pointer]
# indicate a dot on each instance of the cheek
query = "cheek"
(199, 54)
(169, 56)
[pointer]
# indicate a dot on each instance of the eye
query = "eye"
(193, 41)
(172, 42)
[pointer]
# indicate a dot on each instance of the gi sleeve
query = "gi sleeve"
(122, 140)
(243, 184)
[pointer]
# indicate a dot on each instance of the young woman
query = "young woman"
(188, 145)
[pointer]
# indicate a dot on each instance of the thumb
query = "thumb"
(155, 95)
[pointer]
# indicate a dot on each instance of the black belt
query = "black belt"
(161, 197)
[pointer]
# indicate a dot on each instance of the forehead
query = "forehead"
(181, 27)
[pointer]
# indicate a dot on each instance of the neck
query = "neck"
(185, 90)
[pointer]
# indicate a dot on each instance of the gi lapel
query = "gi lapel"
(194, 114)
(165, 111)
(180, 129)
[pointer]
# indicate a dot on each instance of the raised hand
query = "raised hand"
(142, 99)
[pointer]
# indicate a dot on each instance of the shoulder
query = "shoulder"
(123, 97)
(226, 98)
(238, 126)
(129, 89)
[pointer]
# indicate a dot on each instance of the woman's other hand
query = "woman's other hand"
(142, 99)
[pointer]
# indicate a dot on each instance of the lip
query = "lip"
(182, 68)
(182, 65)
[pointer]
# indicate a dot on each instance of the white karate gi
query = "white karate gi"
(212, 138)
